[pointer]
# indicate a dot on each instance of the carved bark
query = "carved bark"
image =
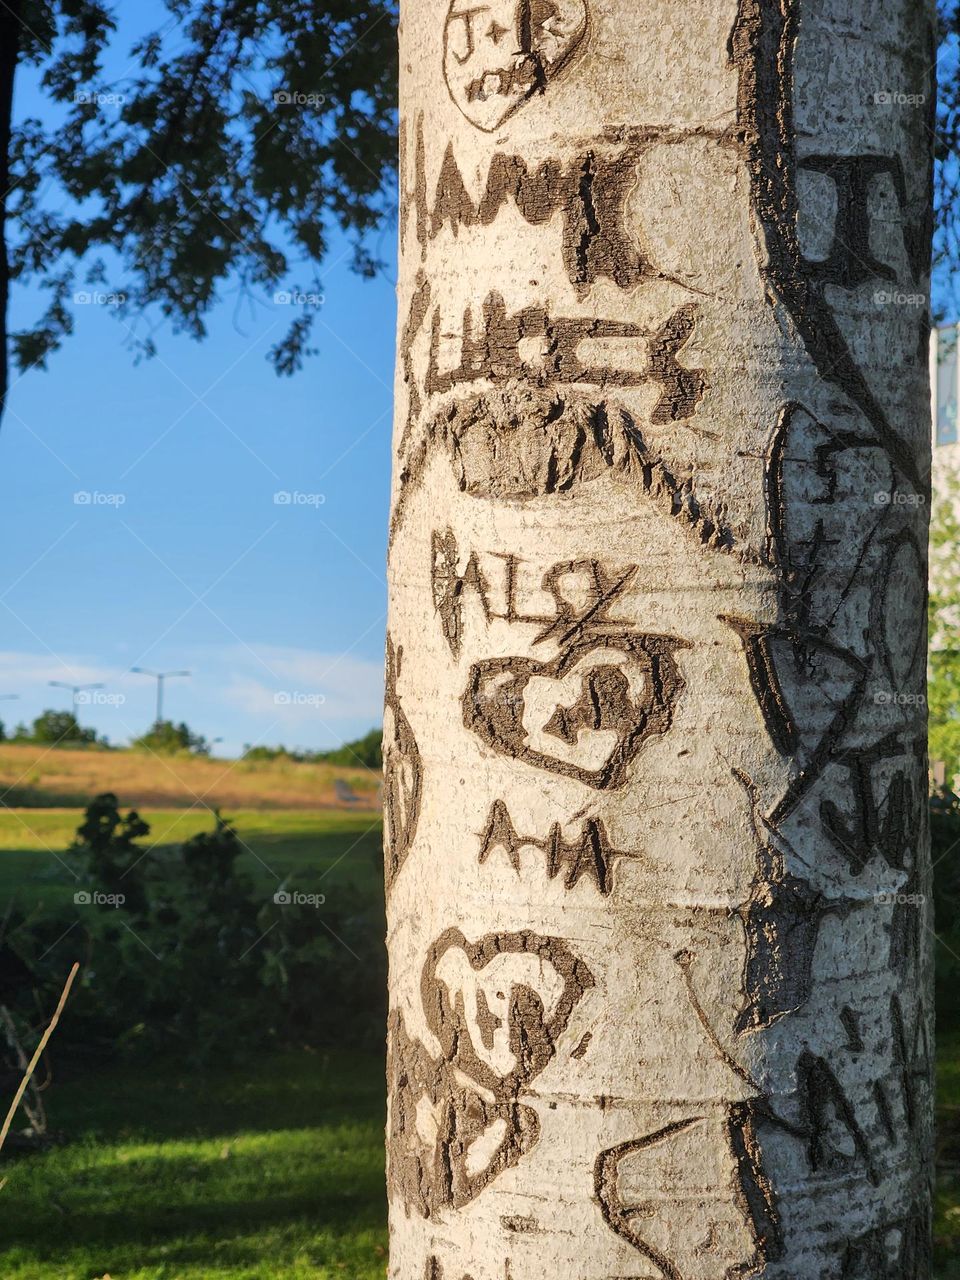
(655, 731)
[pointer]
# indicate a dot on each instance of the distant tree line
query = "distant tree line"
(364, 753)
(54, 728)
(62, 729)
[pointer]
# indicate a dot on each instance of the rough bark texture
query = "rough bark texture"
(655, 731)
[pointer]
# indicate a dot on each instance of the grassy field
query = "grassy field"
(47, 777)
(273, 1171)
(298, 845)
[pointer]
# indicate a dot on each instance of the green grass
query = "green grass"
(947, 1225)
(270, 1171)
(306, 845)
(273, 1170)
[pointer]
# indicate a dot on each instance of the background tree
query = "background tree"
(61, 728)
(239, 135)
(169, 738)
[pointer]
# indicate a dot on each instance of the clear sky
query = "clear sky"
(182, 557)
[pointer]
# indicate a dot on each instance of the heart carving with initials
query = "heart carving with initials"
(498, 1009)
(586, 714)
(500, 55)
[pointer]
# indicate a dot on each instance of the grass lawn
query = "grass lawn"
(332, 846)
(273, 1171)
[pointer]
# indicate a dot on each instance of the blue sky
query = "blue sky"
(182, 558)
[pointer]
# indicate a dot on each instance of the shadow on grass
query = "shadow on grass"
(165, 1102)
(162, 1168)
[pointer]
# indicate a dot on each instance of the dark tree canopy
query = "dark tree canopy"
(242, 133)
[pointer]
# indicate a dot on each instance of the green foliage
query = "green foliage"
(167, 738)
(242, 134)
(183, 952)
(57, 728)
(364, 753)
(255, 755)
(106, 849)
(945, 840)
(943, 692)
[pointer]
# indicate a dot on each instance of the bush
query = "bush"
(167, 738)
(365, 753)
(57, 728)
(945, 840)
(182, 952)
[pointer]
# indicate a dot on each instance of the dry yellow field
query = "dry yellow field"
(48, 777)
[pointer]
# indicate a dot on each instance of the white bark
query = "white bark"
(655, 730)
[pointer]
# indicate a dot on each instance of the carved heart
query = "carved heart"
(587, 714)
(499, 55)
(498, 1009)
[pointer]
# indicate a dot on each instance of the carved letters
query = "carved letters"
(590, 857)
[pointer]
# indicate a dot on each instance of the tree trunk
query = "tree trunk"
(657, 861)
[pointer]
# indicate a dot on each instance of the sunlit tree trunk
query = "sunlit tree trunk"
(657, 862)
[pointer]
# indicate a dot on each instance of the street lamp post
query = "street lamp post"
(75, 690)
(159, 676)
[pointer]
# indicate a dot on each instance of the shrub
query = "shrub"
(182, 952)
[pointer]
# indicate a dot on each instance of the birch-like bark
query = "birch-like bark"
(657, 863)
